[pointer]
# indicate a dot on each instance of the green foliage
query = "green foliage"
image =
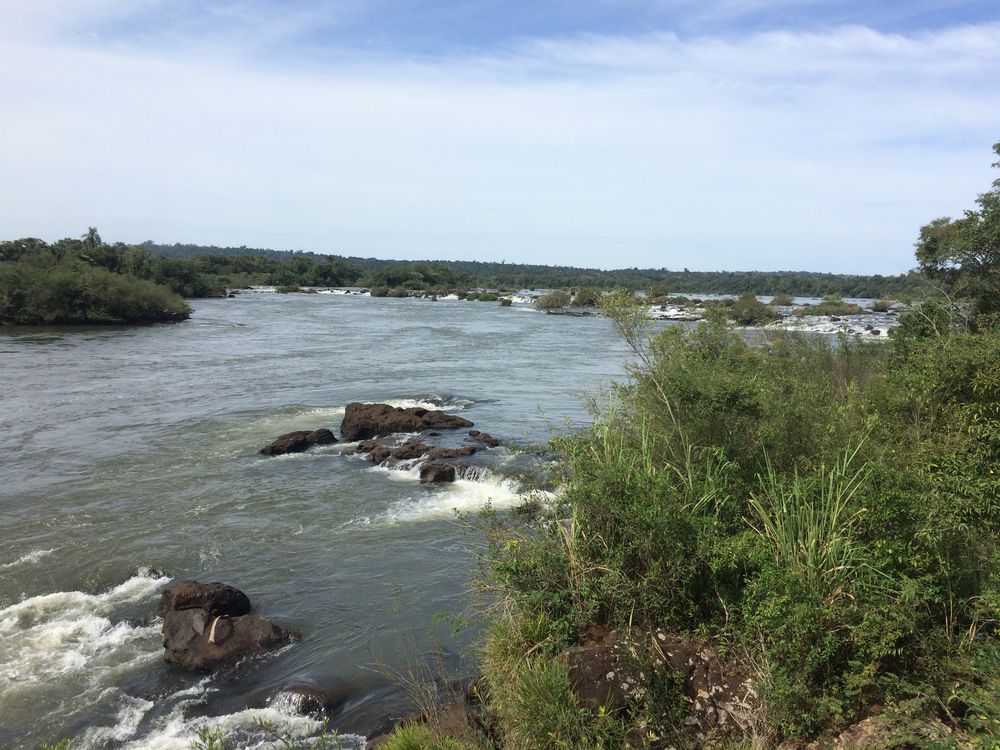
(264, 266)
(482, 297)
(536, 707)
(421, 737)
(552, 301)
(71, 292)
(964, 254)
(586, 297)
(782, 300)
(881, 305)
(831, 305)
(829, 509)
(506, 302)
(749, 311)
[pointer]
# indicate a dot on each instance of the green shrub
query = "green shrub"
(830, 509)
(506, 302)
(830, 305)
(881, 305)
(588, 296)
(73, 293)
(781, 300)
(420, 737)
(552, 301)
(749, 311)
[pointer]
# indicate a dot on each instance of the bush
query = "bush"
(830, 509)
(749, 311)
(881, 305)
(552, 301)
(830, 305)
(781, 300)
(586, 297)
(506, 302)
(73, 293)
(420, 737)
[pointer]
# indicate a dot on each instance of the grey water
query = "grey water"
(130, 459)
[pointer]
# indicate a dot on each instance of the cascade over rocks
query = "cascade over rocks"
(207, 626)
(374, 420)
(298, 441)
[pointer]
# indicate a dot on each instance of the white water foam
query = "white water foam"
(243, 729)
(70, 634)
(28, 558)
(477, 488)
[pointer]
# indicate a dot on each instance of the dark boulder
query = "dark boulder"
(298, 441)
(437, 472)
(217, 599)
(306, 698)
(207, 626)
(463, 450)
(484, 437)
(372, 420)
(412, 448)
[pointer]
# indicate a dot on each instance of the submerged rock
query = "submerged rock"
(307, 698)
(298, 441)
(374, 420)
(207, 626)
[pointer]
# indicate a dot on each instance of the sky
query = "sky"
(705, 134)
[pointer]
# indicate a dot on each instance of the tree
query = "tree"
(964, 254)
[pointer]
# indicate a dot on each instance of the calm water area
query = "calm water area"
(131, 459)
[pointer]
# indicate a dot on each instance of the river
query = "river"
(131, 459)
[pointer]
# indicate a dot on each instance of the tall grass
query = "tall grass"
(810, 521)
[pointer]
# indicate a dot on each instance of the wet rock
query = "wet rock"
(412, 448)
(373, 420)
(484, 437)
(306, 698)
(460, 452)
(207, 626)
(298, 441)
(437, 472)
(217, 599)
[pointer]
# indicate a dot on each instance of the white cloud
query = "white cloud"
(820, 151)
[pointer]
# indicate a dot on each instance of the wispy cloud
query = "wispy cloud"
(822, 150)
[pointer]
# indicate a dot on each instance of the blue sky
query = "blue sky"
(736, 134)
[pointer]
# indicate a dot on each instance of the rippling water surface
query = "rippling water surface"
(130, 457)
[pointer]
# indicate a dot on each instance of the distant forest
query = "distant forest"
(282, 267)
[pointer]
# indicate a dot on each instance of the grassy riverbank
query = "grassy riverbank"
(776, 542)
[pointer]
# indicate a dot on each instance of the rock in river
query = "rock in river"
(373, 420)
(207, 626)
(437, 472)
(296, 442)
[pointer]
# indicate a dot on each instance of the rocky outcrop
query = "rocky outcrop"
(437, 472)
(296, 442)
(207, 626)
(485, 438)
(374, 420)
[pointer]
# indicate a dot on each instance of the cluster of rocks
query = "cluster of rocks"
(374, 426)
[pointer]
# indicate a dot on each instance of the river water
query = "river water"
(130, 459)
